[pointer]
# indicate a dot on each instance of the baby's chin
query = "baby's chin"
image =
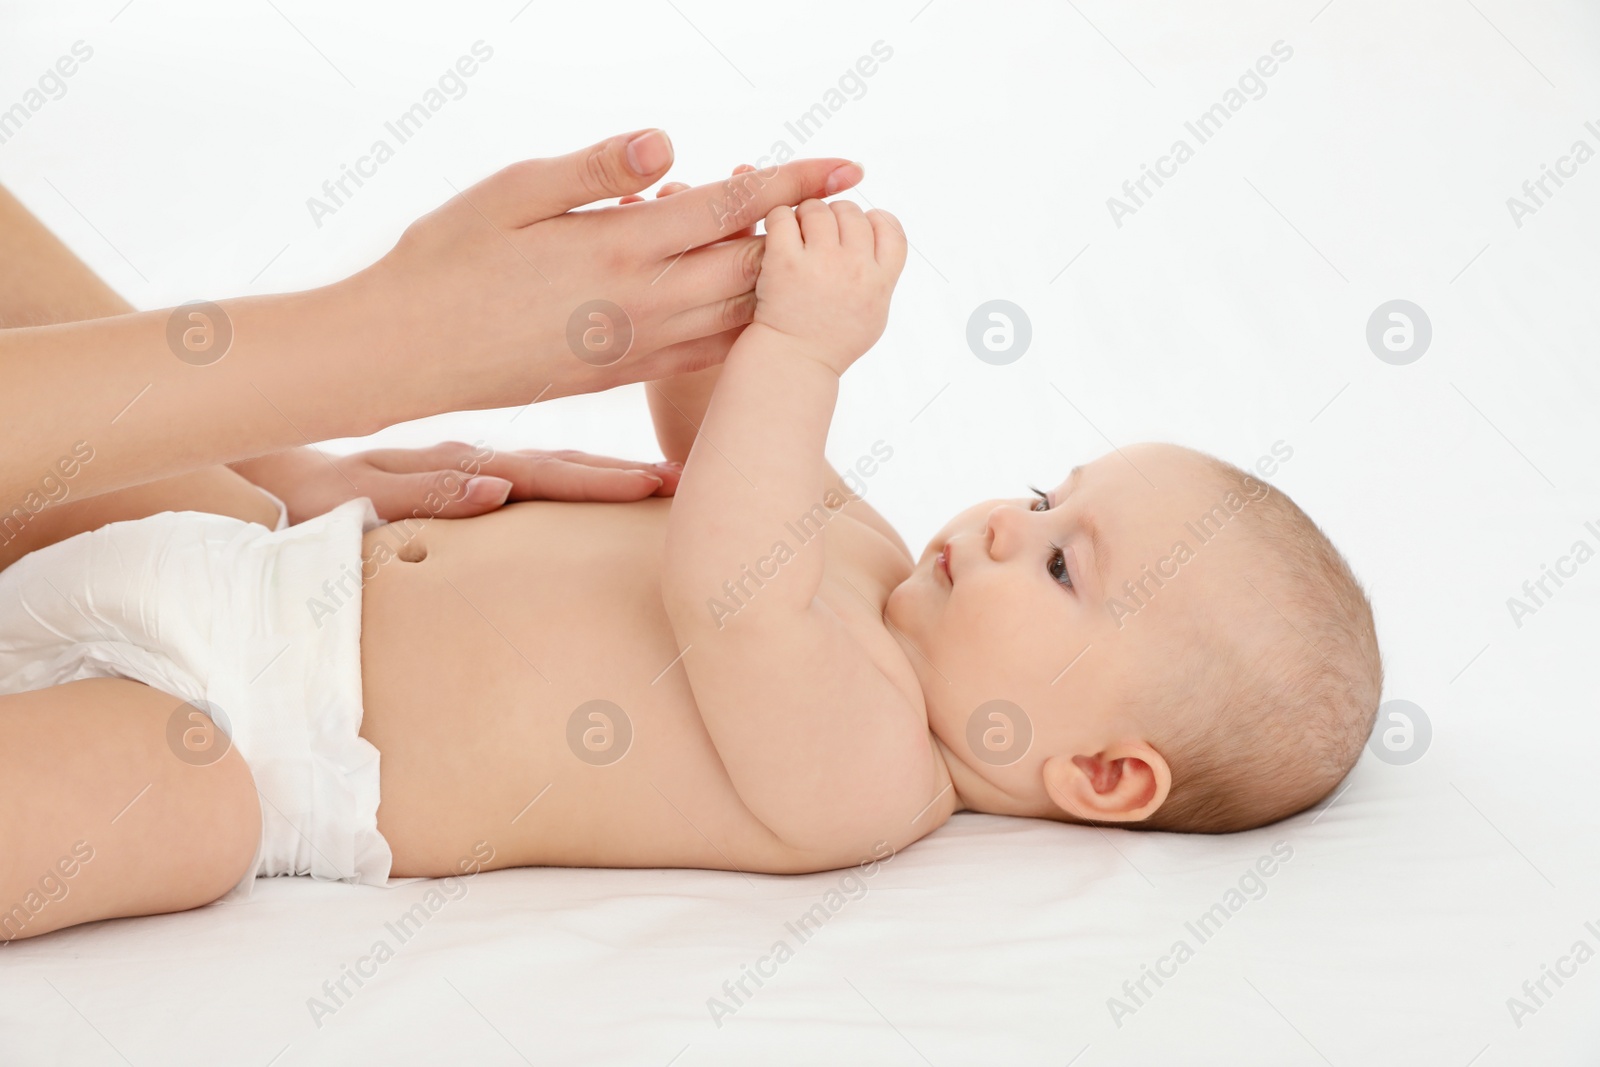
(894, 607)
(904, 596)
(911, 605)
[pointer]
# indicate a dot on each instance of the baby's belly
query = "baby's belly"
(525, 692)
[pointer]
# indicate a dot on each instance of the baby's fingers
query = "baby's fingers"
(783, 232)
(855, 232)
(817, 224)
(891, 240)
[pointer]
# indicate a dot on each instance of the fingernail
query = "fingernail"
(649, 152)
(487, 490)
(653, 477)
(842, 178)
(671, 465)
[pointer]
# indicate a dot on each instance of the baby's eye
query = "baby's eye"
(1043, 503)
(1058, 566)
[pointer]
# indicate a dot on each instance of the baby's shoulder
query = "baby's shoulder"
(848, 504)
(861, 540)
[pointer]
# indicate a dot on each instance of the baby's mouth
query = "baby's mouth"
(942, 563)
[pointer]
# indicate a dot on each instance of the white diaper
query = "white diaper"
(263, 626)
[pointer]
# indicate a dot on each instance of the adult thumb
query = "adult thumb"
(536, 189)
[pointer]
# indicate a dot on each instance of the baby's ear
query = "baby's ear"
(1127, 782)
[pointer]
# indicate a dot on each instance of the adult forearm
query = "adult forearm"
(42, 283)
(299, 367)
(479, 304)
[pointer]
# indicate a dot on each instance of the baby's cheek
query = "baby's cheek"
(988, 640)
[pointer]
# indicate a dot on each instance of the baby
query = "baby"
(1160, 641)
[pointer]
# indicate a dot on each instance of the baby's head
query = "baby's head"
(1162, 641)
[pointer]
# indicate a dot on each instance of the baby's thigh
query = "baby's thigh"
(216, 490)
(110, 806)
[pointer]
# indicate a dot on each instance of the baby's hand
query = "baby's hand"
(826, 277)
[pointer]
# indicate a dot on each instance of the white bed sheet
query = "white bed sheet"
(1228, 312)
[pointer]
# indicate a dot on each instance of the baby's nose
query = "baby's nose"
(1001, 529)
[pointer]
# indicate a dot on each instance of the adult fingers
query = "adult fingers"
(520, 464)
(686, 357)
(710, 319)
(715, 272)
(745, 168)
(672, 188)
(536, 189)
(446, 470)
(667, 189)
(444, 494)
(707, 213)
(548, 478)
(459, 455)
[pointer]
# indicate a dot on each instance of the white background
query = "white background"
(1228, 313)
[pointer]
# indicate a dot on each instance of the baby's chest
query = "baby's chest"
(862, 569)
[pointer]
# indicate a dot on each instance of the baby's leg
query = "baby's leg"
(99, 815)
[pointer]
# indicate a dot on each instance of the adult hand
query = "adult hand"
(686, 357)
(450, 480)
(471, 309)
(508, 278)
(454, 480)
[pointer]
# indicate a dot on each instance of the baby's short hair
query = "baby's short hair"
(1264, 713)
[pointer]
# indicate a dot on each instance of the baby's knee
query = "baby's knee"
(226, 826)
(100, 820)
(210, 811)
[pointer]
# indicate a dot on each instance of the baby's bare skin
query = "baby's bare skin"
(832, 715)
(474, 658)
(841, 700)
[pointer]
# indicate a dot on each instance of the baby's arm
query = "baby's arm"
(822, 748)
(678, 408)
(678, 404)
